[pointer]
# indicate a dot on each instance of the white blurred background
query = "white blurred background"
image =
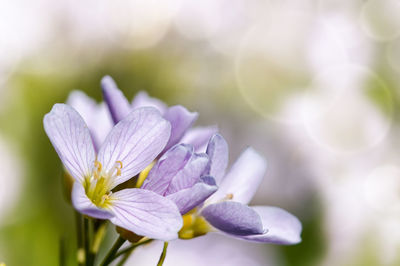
(312, 85)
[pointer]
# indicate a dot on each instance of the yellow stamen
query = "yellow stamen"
(104, 198)
(97, 172)
(143, 175)
(118, 167)
(98, 186)
(229, 196)
(193, 226)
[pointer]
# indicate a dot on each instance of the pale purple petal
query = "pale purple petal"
(243, 178)
(181, 120)
(199, 137)
(135, 141)
(233, 218)
(101, 125)
(96, 116)
(283, 228)
(190, 174)
(71, 139)
(217, 151)
(167, 167)
(83, 204)
(146, 213)
(82, 103)
(142, 99)
(117, 104)
(189, 198)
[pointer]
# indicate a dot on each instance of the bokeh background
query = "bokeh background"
(312, 85)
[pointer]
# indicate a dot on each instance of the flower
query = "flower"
(180, 175)
(95, 115)
(131, 145)
(227, 209)
(180, 118)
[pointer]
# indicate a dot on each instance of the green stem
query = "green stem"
(127, 251)
(86, 231)
(111, 254)
(163, 254)
(124, 259)
(98, 238)
(80, 251)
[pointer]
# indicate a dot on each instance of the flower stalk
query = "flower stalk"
(163, 254)
(111, 255)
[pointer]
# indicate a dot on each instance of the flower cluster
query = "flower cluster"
(180, 186)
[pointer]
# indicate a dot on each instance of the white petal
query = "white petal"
(117, 104)
(146, 213)
(218, 153)
(135, 141)
(199, 137)
(282, 227)
(96, 116)
(142, 99)
(243, 178)
(71, 138)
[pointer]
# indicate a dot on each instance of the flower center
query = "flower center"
(98, 186)
(194, 225)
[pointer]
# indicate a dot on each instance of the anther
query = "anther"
(118, 168)
(97, 171)
(98, 165)
(104, 198)
(229, 196)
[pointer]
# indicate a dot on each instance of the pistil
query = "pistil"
(98, 186)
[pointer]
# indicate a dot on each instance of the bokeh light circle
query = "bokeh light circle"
(380, 19)
(140, 24)
(347, 109)
(381, 189)
(393, 55)
(269, 65)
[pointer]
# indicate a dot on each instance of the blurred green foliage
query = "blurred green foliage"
(43, 218)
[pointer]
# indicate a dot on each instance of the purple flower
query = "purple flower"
(180, 118)
(95, 115)
(227, 209)
(180, 176)
(131, 145)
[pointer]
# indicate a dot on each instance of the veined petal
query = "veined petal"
(233, 218)
(117, 103)
(142, 99)
(96, 116)
(82, 103)
(102, 124)
(83, 204)
(283, 228)
(189, 198)
(146, 213)
(199, 137)
(217, 151)
(181, 120)
(190, 174)
(167, 167)
(71, 139)
(135, 141)
(243, 178)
